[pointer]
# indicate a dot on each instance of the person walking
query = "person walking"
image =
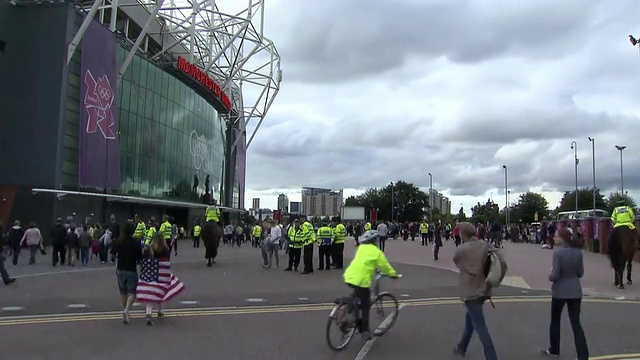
(59, 241)
(568, 269)
(470, 257)
(128, 253)
(33, 239)
(15, 236)
(383, 232)
(84, 243)
(271, 246)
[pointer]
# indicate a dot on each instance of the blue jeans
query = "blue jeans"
(474, 320)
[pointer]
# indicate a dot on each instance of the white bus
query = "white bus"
(582, 214)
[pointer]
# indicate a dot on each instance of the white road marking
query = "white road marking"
(620, 298)
(405, 295)
(13, 308)
(77, 306)
(256, 300)
(137, 304)
(303, 299)
(189, 302)
(369, 344)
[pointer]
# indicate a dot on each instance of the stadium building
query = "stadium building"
(126, 106)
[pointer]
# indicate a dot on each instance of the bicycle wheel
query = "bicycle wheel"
(384, 302)
(342, 320)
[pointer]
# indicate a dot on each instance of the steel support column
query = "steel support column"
(83, 28)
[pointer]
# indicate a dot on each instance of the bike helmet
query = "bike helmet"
(369, 236)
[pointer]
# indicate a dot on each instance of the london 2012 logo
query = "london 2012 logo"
(98, 100)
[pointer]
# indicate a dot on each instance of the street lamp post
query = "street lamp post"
(574, 147)
(430, 198)
(392, 196)
(593, 171)
(506, 194)
(620, 148)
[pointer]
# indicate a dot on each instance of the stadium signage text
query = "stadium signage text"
(202, 77)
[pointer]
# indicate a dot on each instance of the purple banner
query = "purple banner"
(99, 165)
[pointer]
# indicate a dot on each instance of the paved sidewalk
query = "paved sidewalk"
(529, 266)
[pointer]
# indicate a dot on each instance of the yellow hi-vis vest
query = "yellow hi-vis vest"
(140, 230)
(311, 233)
(165, 229)
(293, 242)
(212, 214)
(339, 234)
(149, 235)
(623, 216)
(196, 230)
(257, 231)
(367, 226)
(325, 236)
(424, 228)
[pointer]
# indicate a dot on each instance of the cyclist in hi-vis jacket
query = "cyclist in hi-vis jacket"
(361, 271)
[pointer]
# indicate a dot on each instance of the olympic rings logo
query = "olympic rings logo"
(105, 93)
(200, 148)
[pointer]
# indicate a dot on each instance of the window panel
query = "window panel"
(151, 77)
(144, 175)
(144, 67)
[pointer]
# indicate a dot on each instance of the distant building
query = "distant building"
(294, 207)
(439, 201)
(283, 203)
(261, 214)
(321, 202)
(255, 203)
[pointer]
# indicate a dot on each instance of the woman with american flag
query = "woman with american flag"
(157, 284)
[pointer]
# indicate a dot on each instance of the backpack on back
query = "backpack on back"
(494, 268)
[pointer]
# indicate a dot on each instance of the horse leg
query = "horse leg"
(619, 275)
(629, 262)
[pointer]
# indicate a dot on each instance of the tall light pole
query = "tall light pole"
(430, 198)
(593, 171)
(506, 194)
(620, 148)
(574, 147)
(392, 207)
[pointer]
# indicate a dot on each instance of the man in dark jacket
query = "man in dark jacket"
(15, 235)
(59, 241)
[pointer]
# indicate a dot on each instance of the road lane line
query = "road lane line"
(249, 310)
(617, 357)
(13, 308)
(77, 306)
(369, 344)
(189, 302)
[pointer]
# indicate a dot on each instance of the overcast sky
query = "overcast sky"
(381, 90)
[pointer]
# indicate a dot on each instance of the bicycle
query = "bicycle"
(346, 315)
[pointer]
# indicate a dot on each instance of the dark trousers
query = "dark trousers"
(294, 258)
(382, 241)
(573, 306)
(424, 238)
(436, 251)
(307, 257)
(458, 240)
(60, 253)
(84, 256)
(338, 255)
(104, 253)
(196, 242)
(364, 295)
(324, 255)
(15, 254)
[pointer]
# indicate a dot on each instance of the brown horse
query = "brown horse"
(211, 235)
(623, 242)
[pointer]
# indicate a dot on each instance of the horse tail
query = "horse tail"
(615, 248)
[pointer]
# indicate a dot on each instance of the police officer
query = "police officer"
(165, 229)
(296, 238)
(196, 235)
(324, 240)
(151, 232)
(307, 246)
(339, 235)
(141, 229)
(256, 235)
(213, 229)
(424, 232)
(623, 215)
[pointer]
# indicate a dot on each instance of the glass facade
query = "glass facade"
(171, 139)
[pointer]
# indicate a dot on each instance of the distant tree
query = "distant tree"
(585, 200)
(487, 212)
(353, 201)
(528, 204)
(408, 201)
(612, 201)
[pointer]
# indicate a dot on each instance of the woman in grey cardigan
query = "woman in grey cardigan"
(566, 289)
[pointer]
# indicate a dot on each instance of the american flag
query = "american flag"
(156, 283)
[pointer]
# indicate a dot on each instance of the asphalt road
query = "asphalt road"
(238, 279)
(238, 310)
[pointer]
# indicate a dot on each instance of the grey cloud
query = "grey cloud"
(350, 39)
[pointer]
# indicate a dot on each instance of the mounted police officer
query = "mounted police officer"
(623, 215)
